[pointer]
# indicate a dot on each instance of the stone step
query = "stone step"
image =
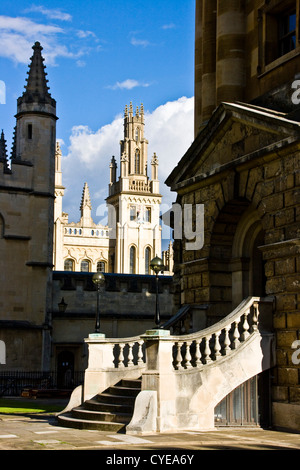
(69, 421)
(115, 399)
(95, 405)
(110, 410)
(121, 390)
(131, 383)
(85, 414)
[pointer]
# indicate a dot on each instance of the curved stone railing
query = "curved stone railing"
(220, 339)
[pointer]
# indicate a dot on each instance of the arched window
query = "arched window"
(137, 134)
(101, 267)
(69, 265)
(147, 260)
(85, 266)
(137, 163)
(132, 260)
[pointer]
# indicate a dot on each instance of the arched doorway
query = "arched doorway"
(248, 273)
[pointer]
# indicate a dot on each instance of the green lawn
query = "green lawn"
(15, 406)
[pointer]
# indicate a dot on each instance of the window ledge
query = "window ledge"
(280, 61)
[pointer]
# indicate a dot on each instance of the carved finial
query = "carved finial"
(58, 149)
(130, 107)
(126, 111)
(3, 151)
(85, 200)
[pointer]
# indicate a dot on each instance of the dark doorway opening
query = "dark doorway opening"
(65, 369)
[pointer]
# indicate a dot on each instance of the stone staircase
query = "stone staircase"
(110, 410)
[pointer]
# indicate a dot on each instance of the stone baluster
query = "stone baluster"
(130, 355)
(245, 333)
(140, 353)
(121, 356)
(207, 350)
(178, 362)
(217, 346)
(198, 361)
(255, 317)
(188, 357)
(227, 342)
(236, 335)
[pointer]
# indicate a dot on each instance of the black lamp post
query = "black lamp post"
(98, 280)
(156, 264)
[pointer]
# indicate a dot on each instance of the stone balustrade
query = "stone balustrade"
(197, 349)
(176, 375)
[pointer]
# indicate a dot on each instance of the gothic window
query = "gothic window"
(147, 260)
(148, 214)
(132, 260)
(85, 266)
(69, 265)
(137, 134)
(132, 212)
(101, 267)
(137, 162)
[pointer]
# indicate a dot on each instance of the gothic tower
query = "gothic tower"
(26, 236)
(134, 201)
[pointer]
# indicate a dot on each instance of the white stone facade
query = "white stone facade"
(133, 234)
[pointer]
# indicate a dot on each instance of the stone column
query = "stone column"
(230, 74)
(159, 376)
(198, 67)
(208, 58)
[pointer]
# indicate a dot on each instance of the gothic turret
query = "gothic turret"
(134, 200)
(36, 125)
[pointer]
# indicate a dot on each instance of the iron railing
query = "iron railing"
(13, 383)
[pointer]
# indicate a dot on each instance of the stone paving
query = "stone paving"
(32, 432)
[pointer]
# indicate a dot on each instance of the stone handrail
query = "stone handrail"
(220, 339)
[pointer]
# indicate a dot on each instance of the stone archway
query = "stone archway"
(248, 277)
(236, 268)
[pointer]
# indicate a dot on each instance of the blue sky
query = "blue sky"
(100, 55)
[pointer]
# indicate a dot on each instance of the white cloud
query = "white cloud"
(168, 26)
(55, 14)
(169, 130)
(18, 34)
(140, 42)
(128, 85)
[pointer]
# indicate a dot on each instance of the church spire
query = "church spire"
(36, 89)
(86, 206)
